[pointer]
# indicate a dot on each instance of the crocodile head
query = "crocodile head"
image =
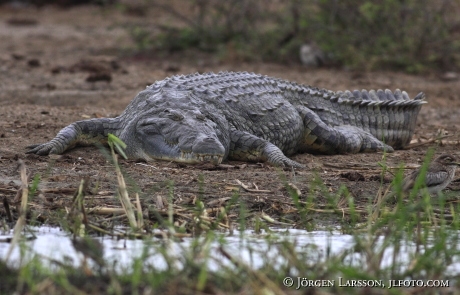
(185, 135)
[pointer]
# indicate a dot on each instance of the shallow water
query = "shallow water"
(253, 249)
(55, 244)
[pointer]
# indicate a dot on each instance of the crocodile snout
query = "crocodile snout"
(208, 146)
(209, 139)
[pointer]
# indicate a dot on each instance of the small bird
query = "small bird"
(439, 174)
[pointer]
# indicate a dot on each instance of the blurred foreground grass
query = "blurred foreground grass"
(408, 240)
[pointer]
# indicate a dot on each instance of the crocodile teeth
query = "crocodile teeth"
(201, 157)
(186, 155)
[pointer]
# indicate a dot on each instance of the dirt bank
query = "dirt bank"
(62, 65)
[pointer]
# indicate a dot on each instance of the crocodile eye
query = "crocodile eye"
(173, 115)
(201, 117)
(176, 117)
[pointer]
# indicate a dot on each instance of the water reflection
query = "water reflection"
(55, 244)
(253, 249)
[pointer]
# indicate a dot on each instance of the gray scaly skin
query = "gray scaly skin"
(248, 117)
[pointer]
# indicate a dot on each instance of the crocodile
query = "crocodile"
(245, 116)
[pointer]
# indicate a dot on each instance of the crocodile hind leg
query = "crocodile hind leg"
(322, 138)
(245, 146)
(82, 132)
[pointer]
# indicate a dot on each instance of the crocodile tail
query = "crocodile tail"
(86, 132)
(389, 116)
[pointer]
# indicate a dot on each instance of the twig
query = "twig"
(106, 211)
(294, 188)
(22, 211)
(146, 165)
(7, 190)
(246, 188)
(269, 219)
(411, 146)
(338, 210)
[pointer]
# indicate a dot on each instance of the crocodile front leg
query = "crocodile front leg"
(84, 132)
(322, 138)
(248, 147)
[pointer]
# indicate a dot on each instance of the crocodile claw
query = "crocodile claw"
(43, 149)
(277, 158)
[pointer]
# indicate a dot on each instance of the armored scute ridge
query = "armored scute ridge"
(248, 117)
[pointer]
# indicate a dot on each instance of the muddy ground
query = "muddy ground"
(58, 66)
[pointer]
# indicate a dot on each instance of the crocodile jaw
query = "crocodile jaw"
(202, 150)
(188, 157)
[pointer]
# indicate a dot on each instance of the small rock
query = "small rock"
(17, 56)
(50, 86)
(449, 76)
(353, 176)
(58, 69)
(101, 76)
(172, 67)
(33, 63)
(115, 65)
(90, 66)
(378, 177)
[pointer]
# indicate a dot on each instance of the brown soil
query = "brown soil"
(58, 66)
